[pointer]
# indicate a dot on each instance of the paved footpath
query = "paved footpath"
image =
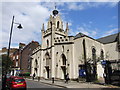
(74, 84)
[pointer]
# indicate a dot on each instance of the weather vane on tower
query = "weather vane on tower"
(55, 6)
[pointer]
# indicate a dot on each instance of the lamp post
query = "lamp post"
(20, 27)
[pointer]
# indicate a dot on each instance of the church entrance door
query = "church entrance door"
(64, 71)
(48, 72)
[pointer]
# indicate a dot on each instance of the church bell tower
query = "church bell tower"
(54, 29)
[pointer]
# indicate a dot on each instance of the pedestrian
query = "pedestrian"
(67, 78)
(52, 79)
(105, 78)
(33, 76)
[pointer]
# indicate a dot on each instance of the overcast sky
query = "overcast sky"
(96, 19)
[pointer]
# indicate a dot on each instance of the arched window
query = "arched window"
(47, 43)
(102, 55)
(36, 63)
(58, 24)
(47, 56)
(94, 55)
(50, 24)
(63, 59)
(63, 48)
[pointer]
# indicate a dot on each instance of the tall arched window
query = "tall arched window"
(63, 48)
(63, 59)
(47, 56)
(94, 67)
(58, 24)
(50, 24)
(36, 63)
(47, 43)
(102, 55)
(94, 55)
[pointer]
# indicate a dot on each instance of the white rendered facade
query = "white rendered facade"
(60, 54)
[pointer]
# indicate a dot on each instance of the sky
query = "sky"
(95, 19)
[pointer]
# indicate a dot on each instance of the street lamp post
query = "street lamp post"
(20, 27)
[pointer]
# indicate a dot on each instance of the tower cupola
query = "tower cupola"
(55, 12)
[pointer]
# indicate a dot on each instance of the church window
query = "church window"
(102, 55)
(47, 58)
(58, 24)
(63, 48)
(47, 43)
(36, 62)
(94, 55)
(50, 24)
(64, 59)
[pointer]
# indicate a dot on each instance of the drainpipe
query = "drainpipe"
(85, 61)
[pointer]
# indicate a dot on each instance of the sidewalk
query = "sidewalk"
(74, 84)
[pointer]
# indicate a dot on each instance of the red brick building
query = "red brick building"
(16, 58)
(26, 56)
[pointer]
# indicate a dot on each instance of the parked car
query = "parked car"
(16, 82)
(115, 77)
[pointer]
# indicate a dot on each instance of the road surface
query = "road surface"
(36, 84)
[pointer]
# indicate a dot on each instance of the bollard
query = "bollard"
(52, 79)
(38, 78)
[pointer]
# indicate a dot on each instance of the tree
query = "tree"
(6, 63)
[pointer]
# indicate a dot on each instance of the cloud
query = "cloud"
(73, 32)
(87, 5)
(90, 22)
(75, 6)
(59, 0)
(88, 31)
(114, 17)
(112, 25)
(85, 29)
(112, 31)
(30, 15)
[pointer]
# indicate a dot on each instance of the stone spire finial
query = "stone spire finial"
(43, 27)
(67, 25)
(67, 29)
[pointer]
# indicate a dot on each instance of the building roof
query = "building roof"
(79, 35)
(108, 39)
(30, 44)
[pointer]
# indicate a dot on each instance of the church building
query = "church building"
(60, 53)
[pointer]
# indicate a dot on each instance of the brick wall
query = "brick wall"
(26, 56)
